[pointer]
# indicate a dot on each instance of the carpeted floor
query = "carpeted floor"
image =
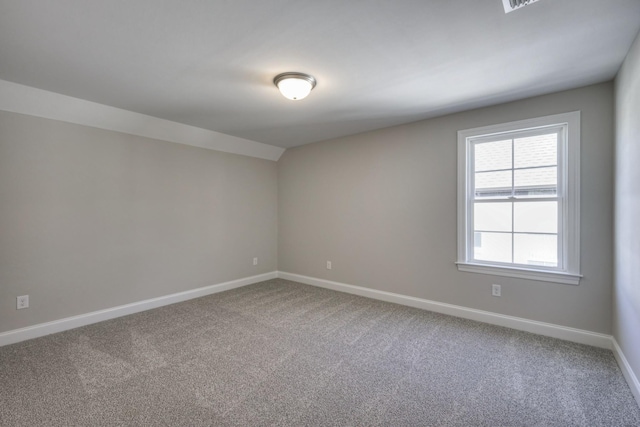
(281, 353)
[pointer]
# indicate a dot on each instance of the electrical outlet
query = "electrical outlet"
(22, 302)
(328, 265)
(255, 261)
(496, 290)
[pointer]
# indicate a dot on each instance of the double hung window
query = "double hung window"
(518, 196)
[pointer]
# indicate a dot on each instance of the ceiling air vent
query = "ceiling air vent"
(511, 5)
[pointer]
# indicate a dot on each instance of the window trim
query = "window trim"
(569, 158)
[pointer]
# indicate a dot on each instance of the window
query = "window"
(518, 199)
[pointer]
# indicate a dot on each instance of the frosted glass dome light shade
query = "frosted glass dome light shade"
(295, 86)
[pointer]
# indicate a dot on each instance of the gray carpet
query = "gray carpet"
(281, 353)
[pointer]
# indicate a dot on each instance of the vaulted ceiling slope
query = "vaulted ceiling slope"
(378, 63)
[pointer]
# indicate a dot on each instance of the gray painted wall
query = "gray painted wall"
(92, 219)
(626, 290)
(382, 207)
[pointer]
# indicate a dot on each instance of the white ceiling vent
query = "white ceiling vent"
(511, 5)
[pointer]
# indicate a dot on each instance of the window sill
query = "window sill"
(521, 273)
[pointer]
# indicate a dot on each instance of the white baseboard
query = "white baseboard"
(42, 329)
(629, 375)
(540, 328)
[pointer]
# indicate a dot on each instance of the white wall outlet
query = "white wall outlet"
(328, 265)
(255, 261)
(22, 302)
(496, 290)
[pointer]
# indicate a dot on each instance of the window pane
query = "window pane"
(492, 216)
(536, 217)
(492, 155)
(540, 150)
(536, 249)
(477, 240)
(536, 182)
(493, 247)
(493, 184)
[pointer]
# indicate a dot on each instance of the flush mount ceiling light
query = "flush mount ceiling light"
(294, 86)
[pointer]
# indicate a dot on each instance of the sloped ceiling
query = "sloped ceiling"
(378, 63)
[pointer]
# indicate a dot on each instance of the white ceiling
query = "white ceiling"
(210, 63)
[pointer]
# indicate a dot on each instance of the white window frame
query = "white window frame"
(568, 270)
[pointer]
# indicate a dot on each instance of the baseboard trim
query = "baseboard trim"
(547, 329)
(627, 371)
(42, 329)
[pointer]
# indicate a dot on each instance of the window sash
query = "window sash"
(560, 234)
(512, 198)
(560, 131)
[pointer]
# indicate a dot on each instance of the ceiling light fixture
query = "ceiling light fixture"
(294, 86)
